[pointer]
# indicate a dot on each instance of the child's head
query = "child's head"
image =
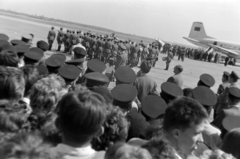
(80, 116)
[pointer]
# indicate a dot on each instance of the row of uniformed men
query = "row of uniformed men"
(105, 47)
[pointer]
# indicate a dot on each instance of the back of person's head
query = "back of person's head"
(146, 66)
(115, 129)
(12, 83)
(182, 113)
(9, 58)
(12, 117)
(25, 146)
(31, 76)
(231, 143)
(160, 149)
(232, 100)
(125, 151)
(44, 95)
(59, 79)
(81, 115)
(187, 92)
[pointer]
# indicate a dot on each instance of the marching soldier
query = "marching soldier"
(51, 37)
(67, 41)
(60, 38)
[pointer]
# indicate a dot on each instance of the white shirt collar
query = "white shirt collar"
(84, 152)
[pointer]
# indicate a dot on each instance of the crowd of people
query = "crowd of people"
(198, 54)
(54, 108)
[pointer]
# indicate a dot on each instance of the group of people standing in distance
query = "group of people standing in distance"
(54, 107)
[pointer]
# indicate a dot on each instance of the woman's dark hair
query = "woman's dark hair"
(115, 129)
(9, 58)
(12, 83)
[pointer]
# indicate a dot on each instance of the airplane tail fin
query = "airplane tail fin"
(197, 31)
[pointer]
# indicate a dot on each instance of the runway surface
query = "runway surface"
(192, 69)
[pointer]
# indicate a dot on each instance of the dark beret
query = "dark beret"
(204, 95)
(17, 42)
(8, 48)
(234, 91)
(125, 74)
(96, 79)
(231, 122)
(4, 37)
(34, 54)
(171, 89)
(42, 45)
(42, 69)
(95, 65)
(234, 75)
(4, 42)
(69, 72)
(56, 60)
(207, 79)
(153, 106)
(21, 49)
(124, 92)
(104, 92)
(75, 62)
(79, 51)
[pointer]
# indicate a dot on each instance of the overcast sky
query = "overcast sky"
(169, 20)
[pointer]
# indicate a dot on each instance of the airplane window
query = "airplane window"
(197, 29)
(215, 43)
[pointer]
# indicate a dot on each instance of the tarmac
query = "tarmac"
(192, 69)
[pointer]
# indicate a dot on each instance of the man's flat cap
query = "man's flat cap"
(69, 72)
(171, 89)
(207, 80)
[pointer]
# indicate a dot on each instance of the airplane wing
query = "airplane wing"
(196, 42)
(224, 51)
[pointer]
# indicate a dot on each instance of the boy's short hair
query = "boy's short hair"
(183, 112)
(12, 83)
(146, 66)
(9, 58)
(81, 115)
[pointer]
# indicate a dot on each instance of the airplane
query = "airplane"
(198, 36)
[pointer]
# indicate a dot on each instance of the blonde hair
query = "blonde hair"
(126, 151)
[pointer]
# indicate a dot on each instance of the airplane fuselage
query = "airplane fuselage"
(227, 45)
